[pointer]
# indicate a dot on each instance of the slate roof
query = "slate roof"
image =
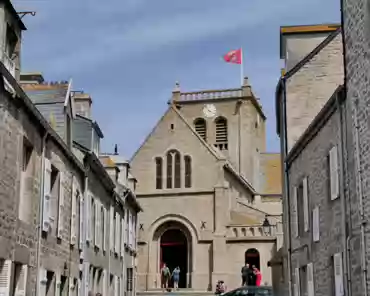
(47, 93)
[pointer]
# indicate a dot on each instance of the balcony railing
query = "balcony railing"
(240, 231)
(211, 94)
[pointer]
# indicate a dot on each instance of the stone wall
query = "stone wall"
(357, 46)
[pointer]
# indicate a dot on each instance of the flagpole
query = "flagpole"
(241, 67)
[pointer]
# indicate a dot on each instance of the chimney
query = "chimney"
(83, 103)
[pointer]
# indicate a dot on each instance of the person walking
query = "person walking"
(165, 276)
(245, 274)
(176, 277)
(258, 274)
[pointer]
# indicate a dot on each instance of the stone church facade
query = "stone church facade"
(211, 195)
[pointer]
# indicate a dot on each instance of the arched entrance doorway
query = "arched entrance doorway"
(252, 257)
(174, 252)
(173, 244)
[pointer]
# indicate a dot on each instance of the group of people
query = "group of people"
(166, 276)
(251, 276)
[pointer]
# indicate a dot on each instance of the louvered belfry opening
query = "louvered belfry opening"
(201, 128)
(221, 133)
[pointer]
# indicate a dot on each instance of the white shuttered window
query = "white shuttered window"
(310, 280)
(338, 274)
(316, 224)
(5, 276)
(295, 212)
(333, 170)
(46, 196)
(306, 212)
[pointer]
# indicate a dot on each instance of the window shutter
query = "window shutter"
(61, 205)
(125, 216)
(105, 229)
(316, 224)
(117, 234)
(105, 282)
(82, 216)
(74, 212)
(130, 229)
(297, 286)
(121, 287)
(334, 177)
(338, 274)
(305, 205)
(21, 287)
(57, 284)
(111, 229)
(294, 212)
(88, 217)
(71, 286)
(46, 198)
(122, 237)
(100, 220)
(79, 287)
(115, 285)
(5, 276)
(43, 281)
(96, 223)
(86, 277)
(92, 221)
(310, 281)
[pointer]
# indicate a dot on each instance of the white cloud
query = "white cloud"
(152, 34)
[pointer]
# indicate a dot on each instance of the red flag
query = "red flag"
(234, 56)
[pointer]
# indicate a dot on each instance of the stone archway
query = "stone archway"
(172, 242)
(252, 257)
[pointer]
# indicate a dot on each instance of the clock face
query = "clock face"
(209, 110)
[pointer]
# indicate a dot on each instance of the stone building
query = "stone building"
(104, 211)
(311, 119)
(63, 226)
(207, 186)
(355, 22)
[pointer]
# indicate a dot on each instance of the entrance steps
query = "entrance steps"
(180, 292)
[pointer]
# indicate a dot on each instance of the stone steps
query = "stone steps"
(180, 292)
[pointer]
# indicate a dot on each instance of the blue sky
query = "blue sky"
(128, 53)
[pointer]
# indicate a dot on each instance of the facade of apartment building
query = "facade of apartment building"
(308, 104)
(66, 225)
(356, 24)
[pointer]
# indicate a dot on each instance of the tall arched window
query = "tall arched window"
(221, 133)
(158, 172)
(200, 126)
(173, 169)
(187, 160)
(177, 169)
(169, 170)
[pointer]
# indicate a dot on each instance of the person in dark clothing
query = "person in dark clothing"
(245, 274)
(252, 280)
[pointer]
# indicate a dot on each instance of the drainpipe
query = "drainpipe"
(342, 160)
(347, 251)
(286, 185)
(361, 204)
(41, 210)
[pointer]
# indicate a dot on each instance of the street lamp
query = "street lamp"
(266, 227)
